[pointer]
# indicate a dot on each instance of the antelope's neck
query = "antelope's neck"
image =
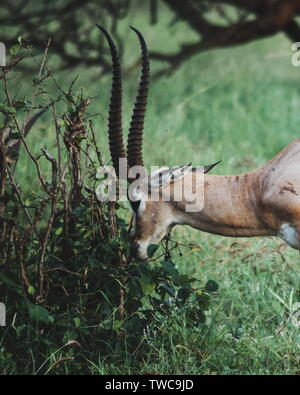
(231, 206)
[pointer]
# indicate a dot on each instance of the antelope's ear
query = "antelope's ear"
(206, 168)
(209, 167)
(164, 175)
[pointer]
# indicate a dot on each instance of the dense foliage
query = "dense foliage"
(72, 293)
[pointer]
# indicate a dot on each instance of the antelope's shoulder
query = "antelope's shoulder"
(286, 162)
(281, 177)
(291, 150)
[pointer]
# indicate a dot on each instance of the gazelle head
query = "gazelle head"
(151, 220)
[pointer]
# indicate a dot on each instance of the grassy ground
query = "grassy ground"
(240, 106)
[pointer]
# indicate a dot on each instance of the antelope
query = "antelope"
(261, 202)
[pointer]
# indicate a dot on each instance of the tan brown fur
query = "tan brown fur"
(257, 203)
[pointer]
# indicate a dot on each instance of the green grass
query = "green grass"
(241, 106)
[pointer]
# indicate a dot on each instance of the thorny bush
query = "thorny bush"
(65, 275)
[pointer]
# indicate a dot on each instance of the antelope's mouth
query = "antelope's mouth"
(139, 251)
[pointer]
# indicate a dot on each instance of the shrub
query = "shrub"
(70, 288)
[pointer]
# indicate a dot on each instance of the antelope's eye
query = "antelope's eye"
(135, 205)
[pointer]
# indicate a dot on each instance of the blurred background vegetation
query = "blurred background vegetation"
(230, 99)
(223, 88)
(214, 23)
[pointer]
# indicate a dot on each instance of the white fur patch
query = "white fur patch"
(142, 207)
(136, 194)
(142, 249)
(288, 233)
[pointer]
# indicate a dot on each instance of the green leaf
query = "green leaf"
(122, 223)
(185, 281)
(203, 301)
(134, 286)
(170, 269)
(147, 288)
(41, 314)
(15, 49)
(31, 290)
(183, 294)
(58, 231)
(168, 290)
(152, 248)
(79, 211)
(117, 325)
(211, 286)
(92, 261)
(7, 110)
(107, 324)
(77, 322)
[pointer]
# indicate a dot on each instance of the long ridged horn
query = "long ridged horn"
(115, 134)
(135, 136)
